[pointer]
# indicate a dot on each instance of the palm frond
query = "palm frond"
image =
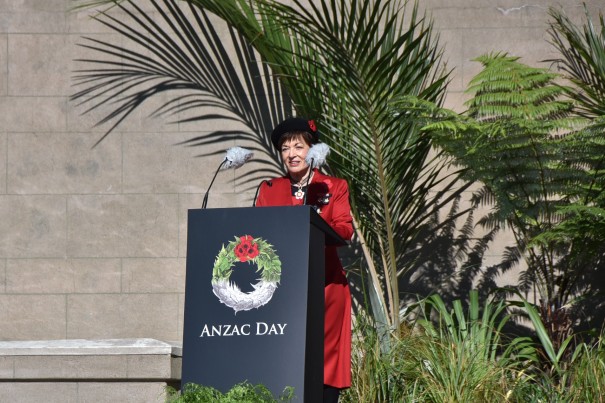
(582, 59)
(181, 54)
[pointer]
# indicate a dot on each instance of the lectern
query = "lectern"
(254, 298)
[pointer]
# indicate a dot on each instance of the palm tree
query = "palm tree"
(341, 62)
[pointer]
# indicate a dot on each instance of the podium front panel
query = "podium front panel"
(251, 327)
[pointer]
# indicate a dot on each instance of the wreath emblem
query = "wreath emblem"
(252, 250)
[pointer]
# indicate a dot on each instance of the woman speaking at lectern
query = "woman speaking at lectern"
(293, 138)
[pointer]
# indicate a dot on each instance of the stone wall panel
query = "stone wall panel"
(171, 167)
(32, 226)
(18, 17)
(146, 275)
(101, 316)
(25, 114)
(63, 163)
(39, 65)
(3, 263)
(49, 392)
(82, 367)
(125, 392)
(123, 226)
(32, 317)
(63, 276)
(3, 162)
(3, 65)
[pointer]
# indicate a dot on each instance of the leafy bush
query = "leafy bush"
(241, 393)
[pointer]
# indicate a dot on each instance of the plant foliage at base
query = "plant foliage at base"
(242, 392)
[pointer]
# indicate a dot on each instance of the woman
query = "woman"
(330, 197)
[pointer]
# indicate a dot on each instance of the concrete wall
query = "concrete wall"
(93, 240)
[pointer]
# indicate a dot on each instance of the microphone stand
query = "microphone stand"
(205, 202)
(308, 180)
(258, 190)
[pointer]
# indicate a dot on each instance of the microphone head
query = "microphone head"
(317, 154)
(236, 157)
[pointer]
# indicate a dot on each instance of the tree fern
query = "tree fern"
(543, 169)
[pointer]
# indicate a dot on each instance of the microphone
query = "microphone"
(235, 157)
(316, 157)
(268, 182)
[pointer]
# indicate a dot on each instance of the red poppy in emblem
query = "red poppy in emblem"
(246, 250)
(253, 251)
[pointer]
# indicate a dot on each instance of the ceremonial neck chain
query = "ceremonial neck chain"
(299, 188)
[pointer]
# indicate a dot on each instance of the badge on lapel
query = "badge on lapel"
(322, 200)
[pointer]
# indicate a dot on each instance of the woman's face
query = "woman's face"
(293, 153)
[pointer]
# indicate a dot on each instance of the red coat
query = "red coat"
(336, 212)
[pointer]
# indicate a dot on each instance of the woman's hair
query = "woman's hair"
(305, 136)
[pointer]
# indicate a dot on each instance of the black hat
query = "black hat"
(292, 125)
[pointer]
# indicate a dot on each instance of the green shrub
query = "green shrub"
(585, 379)
(447, 356)
(241, 393)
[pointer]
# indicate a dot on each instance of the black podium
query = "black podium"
(254, 298)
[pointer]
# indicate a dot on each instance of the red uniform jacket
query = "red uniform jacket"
(331, 196)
